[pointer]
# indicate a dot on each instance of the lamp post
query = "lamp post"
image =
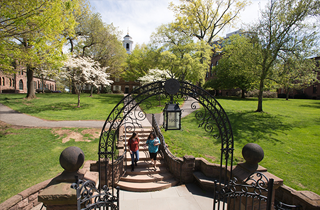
(172, 112)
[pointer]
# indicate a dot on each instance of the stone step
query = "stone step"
(145, 171)
(146, 187)
(141, 148)
(143, 130)
(143, 155)
(146, 178)
(205, 182)
(146, 163)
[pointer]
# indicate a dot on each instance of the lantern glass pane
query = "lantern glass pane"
(173, 120)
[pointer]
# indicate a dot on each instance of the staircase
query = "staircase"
(144, 178)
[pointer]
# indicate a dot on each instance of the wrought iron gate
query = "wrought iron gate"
(127, 114)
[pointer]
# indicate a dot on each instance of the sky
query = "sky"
(140, 18)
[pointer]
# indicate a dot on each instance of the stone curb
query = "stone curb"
(25, 199)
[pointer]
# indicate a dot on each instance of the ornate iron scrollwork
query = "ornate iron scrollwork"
(89, 197)
(128, 115)
(256, 187)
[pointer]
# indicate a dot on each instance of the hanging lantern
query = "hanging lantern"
(172, 117)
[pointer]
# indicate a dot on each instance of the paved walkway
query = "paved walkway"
(183, 197)
(13, 117)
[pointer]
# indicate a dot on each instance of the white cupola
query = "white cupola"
(127, 43)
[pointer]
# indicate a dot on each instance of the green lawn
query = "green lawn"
(63, 106)
(31, 155)
(288, 132)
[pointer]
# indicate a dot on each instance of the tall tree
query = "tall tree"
(108, 50)
(238, 65)
(142, 58)
(180, 54)
(284, 28)
(38, 39)
(100, 41)
(205, 19)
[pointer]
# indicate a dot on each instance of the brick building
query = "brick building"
(17, 83)
(120, 85)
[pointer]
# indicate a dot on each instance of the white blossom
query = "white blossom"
(154, 75)
(84, 70)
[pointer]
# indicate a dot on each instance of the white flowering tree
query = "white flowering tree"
(85, 71)
(154, 75)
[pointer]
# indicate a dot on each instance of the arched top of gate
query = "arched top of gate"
(214, 114)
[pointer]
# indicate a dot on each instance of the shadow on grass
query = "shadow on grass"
(52, 107)
(250, 127)
(233, 98)
(312, 105)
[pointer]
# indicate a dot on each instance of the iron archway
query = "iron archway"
(128, 114)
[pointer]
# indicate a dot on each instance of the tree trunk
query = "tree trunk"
(30, 88)
(78, 99)
(102, 89)
(42, 83)
(74, 89)
(260, 96)
(91, 91)
(287, 94)
(242, 93)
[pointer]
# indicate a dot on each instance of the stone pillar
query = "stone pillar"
(59, 195)
(253, 154)
(187, 169)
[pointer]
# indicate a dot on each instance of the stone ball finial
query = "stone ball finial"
(252, 153)
(71, 159)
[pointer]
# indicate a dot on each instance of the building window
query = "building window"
(217, 63)
(13, 83)
(127, 46)
(0, 81)
(10, 82)
(117, 88)
(3, 83)
(20, 84)
(117, 79)
(35, 85)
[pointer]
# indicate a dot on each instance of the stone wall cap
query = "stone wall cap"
(11, 202)
(58, 194)
(31, 190)
(188, 157)
(310, 195)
